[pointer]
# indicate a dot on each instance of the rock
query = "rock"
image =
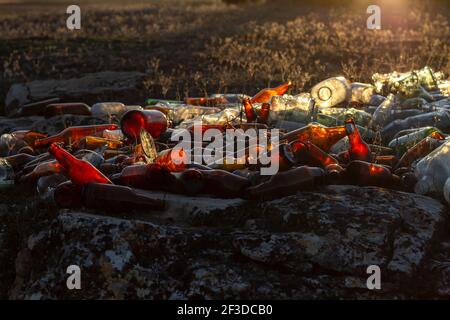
(51, 125)
(14, 124)
(126, 87)
(309, 245)
(348, 228)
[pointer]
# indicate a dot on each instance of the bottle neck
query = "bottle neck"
(53, 139)
(353, 134)
(280, 90)
(64, 158)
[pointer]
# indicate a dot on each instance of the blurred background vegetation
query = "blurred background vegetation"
(199, 47)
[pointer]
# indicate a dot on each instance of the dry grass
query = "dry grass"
(200, 47)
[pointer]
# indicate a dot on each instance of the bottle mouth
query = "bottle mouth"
(349, 128)
(192, 181)
(131, 123)
(324, 93)
(287, 153)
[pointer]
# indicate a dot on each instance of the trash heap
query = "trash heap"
(391, 133)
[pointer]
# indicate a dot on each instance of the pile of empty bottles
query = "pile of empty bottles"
(391, 134)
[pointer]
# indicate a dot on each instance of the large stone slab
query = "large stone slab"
(126, 87)
(309, 245)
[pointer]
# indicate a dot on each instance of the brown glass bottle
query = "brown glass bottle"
(287, 182)
(74, 134)
(359, 149)
(319, 135)
(334, 173)
(306, 153)
(152, 121)
(264, 113)
(223, 184)
(420, 149)
(18, 161)
(41, 170)
(108, 198)
(369, 174)
(79, 171)
(113, 198)
(250, 113)
(265, 95)
(172, 160)
(209, 102)
(93, 143)
(68, 195)
(77, 108)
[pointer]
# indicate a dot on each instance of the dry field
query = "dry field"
(197, 47)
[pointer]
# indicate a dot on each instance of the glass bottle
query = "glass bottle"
(56, 109)
(152, 121)
(331, 92)
(287, 182)
(224, 184)
(370, 174)
(359, 149)
(420, 149)
(79, 171)
(306, 153)
(250, 113)
(74, 134)
(265, 95)
(319, 135)
(210, 102)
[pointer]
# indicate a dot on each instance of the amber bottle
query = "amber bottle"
(172, 160)
(369, 174)
(359, 149)
(306, 153)
(79, 171)
(388, 160)
(420, 149)
(93, 143)
(41, 170)
(204, 127)
(18, 161)
(287, 182)
(264, 113)
(223, 184)
(68, 195)
(189, 182)
(133, 175)
(77, 108)
(250, 113)
(334, 173)
(209, 102)
(265, 95)
(74, 134)
(319, 135)
(153, 121)
(114, 198)
(107, 198)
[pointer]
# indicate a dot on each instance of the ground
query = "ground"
(205, 46)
